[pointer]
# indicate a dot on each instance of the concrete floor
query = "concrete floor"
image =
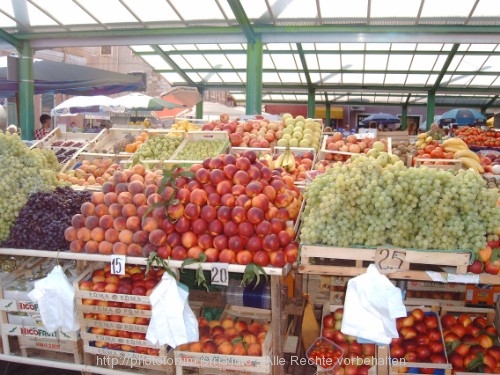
(12, 368)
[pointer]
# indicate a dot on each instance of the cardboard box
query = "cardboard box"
(482, 294)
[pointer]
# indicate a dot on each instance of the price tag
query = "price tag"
(220, 274)
(117, 264)
(389, 260)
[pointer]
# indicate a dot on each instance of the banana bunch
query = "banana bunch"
(461, 152)
(269, 159)
(286, 160)
(470, 160)
(423, 140)
(454, 145)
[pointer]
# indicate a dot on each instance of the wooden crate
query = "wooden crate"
(351, 261)
(196, 136)
(231, 363)
(93, 329)
(473, 312)
(258, 150)
(29, 345)
(330, 308)
(56, 139)
(104, 144)
(413, 367)
(154, 163)
(447, 164)
(77, 159)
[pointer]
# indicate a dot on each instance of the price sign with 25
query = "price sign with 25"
(389, 260)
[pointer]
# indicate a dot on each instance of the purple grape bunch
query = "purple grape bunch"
(42, 221)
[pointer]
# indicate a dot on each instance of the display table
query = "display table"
(276, 305)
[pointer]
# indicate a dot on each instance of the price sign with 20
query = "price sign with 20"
(389, 260)
(219, 274)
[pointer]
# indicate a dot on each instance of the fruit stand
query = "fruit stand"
(201, 201)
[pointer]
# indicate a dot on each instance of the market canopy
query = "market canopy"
(378, 52)
(70, 79)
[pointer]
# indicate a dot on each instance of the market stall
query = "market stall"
(240, 211)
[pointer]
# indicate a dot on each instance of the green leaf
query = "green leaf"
(187, 174)
(187, 262)
(200, 277)
(237, 340)
(451, 346)
(150, 261)
(477, 363)
(253, 271)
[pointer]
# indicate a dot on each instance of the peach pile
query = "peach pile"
(252, 133)
(233, 209)
(90, 173)
(229, 336)
(133, 282)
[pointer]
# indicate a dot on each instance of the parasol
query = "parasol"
(82, 104)
(463, 117)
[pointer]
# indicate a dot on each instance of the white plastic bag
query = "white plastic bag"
(372, 304)
(55, 296)
(172, 321)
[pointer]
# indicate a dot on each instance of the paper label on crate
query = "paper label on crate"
(15, 330)
(219, 274)
(436, 276)
(389, 260)
(464, 278)
(118, 264)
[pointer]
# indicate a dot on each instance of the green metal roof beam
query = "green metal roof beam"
(242, 19)
(10, 39)
(172, 63)
(408, 97)
(314, 30)
(304, 66)
(322, 52)
(360, 103)
(228, 86)
(490, 103)
(446, 65)
(331, 71)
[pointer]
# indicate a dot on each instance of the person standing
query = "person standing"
(46, 122)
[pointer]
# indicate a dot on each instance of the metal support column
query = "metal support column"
(404, 114)
(199, 105)
(431, 101)
(254, 78)
(311, 103)
(26, 94)
(327, 114)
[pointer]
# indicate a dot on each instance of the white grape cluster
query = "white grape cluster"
(22, 172)
(369, 203)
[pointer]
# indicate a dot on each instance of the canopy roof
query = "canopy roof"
(359, 52)
(70, 79)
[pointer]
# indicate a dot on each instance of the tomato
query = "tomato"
(437, 153)
(429, 148)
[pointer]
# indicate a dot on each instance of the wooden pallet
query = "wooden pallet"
(350, 261)
(447, 164)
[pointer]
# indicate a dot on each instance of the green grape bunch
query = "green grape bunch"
(22, 172)
(369, 202)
